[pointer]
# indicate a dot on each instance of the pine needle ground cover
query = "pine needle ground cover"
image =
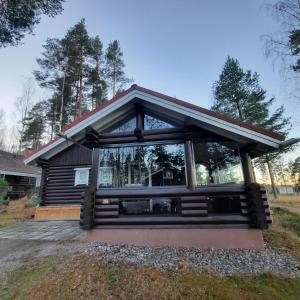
(88, 277)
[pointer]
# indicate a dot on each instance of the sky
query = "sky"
(177, 47)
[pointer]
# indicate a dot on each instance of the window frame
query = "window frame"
(77, 180)
(136, 144)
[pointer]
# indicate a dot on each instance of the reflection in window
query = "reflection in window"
(153, 206)
(126, 127)
(135, 166)
(217, 164)
(224, 205)
(154, 123)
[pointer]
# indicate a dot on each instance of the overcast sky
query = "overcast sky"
(176, 47)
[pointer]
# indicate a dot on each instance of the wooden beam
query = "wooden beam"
(189, 164)
(247, 172)
(176, 191)
(139, 117)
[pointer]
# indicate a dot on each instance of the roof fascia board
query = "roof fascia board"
(211, 120)
(166, 104)
(3, 172)
(84, 123)
(100, 114)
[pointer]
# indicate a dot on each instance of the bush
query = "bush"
(3, 192)
(36, 200)
(3, 201)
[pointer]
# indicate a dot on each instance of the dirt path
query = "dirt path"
(15, 252)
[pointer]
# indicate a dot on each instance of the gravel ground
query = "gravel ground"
(222, 261)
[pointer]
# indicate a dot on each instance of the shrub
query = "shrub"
(36, 200)
(3, 191)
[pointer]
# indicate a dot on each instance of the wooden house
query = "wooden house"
(144, 160)
(23, 180)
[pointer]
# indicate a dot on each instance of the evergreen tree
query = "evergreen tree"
(114, 68)
(35, 126)
(238, 94)
(18, 17)
(96, 74)
(79, 49)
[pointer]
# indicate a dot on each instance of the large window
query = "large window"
(138, 166)
(217, 163)
(150, 206)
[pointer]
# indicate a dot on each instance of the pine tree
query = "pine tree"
(79, 49)
(96, 74)
(114, 69)
(238, 94)
(20, 17)
(35, 126)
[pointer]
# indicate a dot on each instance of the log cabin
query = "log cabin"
(147, 161)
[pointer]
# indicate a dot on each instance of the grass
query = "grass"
(22, 280)
(89, 277)
(11, 218)
(285, 232)
(93, 277)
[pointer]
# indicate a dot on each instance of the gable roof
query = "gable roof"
(12, 164)
(177, 105)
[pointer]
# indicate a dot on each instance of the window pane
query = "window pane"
(154, 123)
(154, 206)
(125, 127)
(217, 164)
(133, 166)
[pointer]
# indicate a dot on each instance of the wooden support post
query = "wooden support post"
(139, 118)
(247, 172)
(259, 216)
(189, 164)
(88, 202)
(44, 179)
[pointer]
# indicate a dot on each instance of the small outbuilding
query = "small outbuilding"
(145, 161)
(22, 179)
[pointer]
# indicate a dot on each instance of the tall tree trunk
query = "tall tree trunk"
(114, 81)
(241, 117)
(272, 178)
(62, 103)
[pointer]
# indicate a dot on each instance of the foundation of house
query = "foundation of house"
(200, 238)
(60, 212)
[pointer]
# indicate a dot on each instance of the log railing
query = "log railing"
(101, 208)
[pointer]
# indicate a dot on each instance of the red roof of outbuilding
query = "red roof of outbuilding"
(214, 114)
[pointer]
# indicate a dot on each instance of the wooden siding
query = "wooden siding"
(59, 181)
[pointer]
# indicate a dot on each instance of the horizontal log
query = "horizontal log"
(170, 192)
(63, 197)
(57, 202)
(224, 219)
(68, 167)
(193, 205)
(106, 214)
(107, 207)
(194, 212)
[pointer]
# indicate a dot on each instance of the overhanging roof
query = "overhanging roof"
(206, 118)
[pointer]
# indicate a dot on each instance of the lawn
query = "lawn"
(87, 276)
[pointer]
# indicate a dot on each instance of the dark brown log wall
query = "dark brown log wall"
(59, 185)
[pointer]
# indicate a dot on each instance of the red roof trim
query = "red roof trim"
(214, 114)
(168, 98)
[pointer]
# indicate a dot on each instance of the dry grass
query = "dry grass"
(285, 232)
(7, 218)
(89, 277)
(285, 199)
